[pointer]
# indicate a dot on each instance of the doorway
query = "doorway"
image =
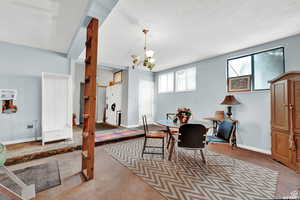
(146, 100)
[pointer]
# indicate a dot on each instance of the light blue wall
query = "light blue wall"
(21, 69)
(254, 112)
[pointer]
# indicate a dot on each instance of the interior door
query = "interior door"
(56, 107)
(146, 100)
(280, 121)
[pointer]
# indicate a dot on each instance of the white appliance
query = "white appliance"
(114, 104)
(56, 107)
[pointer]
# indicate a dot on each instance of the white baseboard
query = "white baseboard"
(136, 125)
(268, 152)
(21, 141)
(130, 126)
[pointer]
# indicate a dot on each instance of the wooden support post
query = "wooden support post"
(88, 139)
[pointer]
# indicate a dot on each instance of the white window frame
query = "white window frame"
(176, 83)
(159, 79)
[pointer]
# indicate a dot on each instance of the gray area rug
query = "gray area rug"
(189, 178)
(44, 176)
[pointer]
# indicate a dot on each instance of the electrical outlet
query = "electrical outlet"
(29, 126)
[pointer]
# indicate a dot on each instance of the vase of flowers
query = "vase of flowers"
(184, 114)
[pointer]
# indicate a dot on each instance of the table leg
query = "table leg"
(171, 143)
(172, 148)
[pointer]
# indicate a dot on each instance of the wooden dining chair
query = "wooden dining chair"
(158, 135)
(170, 116)
(224, 134)
(172, 131)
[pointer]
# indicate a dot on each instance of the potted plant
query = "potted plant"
(184, 114)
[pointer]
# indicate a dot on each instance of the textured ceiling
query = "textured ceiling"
(190, 30)
(45, 24)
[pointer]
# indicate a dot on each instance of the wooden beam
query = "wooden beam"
(88, 139)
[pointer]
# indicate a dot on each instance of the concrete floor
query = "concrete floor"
(115, 182)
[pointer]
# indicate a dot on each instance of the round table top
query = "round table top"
(171, 124)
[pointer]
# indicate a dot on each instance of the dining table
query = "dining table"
(176, 124)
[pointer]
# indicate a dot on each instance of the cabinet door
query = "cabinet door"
(280, 109)
(280, 122)
(296, 106)
(295, 102)
(280, 147)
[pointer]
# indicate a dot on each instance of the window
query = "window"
(262, 67)
(239, 67)
(186, 80)
(166, 82)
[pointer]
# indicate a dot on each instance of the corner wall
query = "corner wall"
(254, 131)
(21, 69)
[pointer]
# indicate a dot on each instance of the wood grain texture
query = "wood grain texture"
(285, 94)
(88, 142)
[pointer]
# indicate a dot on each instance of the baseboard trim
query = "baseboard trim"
(268, 152)
(22, 141)
(130, 126)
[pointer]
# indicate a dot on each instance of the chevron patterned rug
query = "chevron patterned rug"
(188, 178)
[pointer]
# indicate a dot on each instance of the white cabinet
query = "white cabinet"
(56, 107)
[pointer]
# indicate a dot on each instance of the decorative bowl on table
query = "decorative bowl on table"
(183, 115)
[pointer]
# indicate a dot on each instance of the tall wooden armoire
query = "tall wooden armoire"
(285, 94)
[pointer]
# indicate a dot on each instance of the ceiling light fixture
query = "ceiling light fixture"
(149, 61)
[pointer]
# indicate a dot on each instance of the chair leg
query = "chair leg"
(202, 156)
(144, 147)
(169, 141)
(163, 148)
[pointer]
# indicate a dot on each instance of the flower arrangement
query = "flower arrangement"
(183, 114)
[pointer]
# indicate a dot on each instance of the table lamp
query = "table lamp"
(230, 100)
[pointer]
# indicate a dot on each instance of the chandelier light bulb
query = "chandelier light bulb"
(149, 53)
(152, 60)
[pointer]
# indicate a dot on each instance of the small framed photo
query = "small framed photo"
(118, 77)
(239, 84)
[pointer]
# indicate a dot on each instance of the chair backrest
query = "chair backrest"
(220, 114)
(145, 124)
(225, 129)
(170, 116)
(192, 136)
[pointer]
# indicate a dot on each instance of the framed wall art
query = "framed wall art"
(118, 77)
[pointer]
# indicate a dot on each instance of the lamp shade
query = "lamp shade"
(230, 100)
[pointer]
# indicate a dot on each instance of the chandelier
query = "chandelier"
(149, 61)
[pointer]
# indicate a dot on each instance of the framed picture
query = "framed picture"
(118, 77)
(8, 98)
(239, 84)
